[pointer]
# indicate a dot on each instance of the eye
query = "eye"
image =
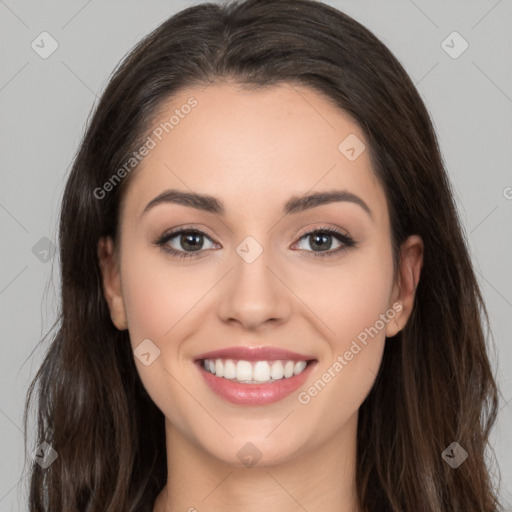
(321, 239)
(189, 242)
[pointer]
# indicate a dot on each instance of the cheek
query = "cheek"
(356, 312)
(353, 296)
(157, 293)
(158, 298)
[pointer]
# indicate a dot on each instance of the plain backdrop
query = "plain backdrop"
(45, 103)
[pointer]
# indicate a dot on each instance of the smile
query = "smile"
(254, 372)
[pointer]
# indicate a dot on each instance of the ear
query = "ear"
(109, 266)
(404, 289)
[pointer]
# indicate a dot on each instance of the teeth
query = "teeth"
(261, 371)
(229, 369)
(299, 367)
(288, 369)
(253, 372)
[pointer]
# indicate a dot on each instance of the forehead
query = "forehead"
(243, 145)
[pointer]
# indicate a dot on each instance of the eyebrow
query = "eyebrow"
(295, 204)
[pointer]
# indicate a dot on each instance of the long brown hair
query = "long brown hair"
(435, 385)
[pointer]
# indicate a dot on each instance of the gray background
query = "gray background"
(44, 104)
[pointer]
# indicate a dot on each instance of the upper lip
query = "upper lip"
(267, 353)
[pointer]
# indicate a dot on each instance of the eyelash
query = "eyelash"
(346, 240)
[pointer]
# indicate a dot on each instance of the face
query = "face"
(315, 279)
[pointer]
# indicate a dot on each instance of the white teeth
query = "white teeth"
(277, 370)
(219, 368)
(229, 369)
(261, 371)
(243, 370)
(288, 369)
(299, 367)
(253, 372)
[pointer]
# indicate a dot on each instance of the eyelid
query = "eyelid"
(186, 227)
(311, 228)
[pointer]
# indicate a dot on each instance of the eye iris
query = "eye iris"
(324, 238)
(191, 241)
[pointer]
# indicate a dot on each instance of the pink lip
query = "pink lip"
(255, 394)
(255, 354)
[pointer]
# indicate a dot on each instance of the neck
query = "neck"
(321, 478)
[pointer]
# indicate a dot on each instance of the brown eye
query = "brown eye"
(320, 241)
(185, 242)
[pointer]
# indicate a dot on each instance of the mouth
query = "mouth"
(254, 372)
(256, 376)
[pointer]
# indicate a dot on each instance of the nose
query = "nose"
(254, 294)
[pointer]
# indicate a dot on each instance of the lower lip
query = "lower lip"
(255, 394)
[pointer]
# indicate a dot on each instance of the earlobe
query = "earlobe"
(111, 279)
(411, 261)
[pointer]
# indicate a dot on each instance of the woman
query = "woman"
(267, 298)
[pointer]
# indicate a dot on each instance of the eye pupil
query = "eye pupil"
(191, 241)
(323, 244)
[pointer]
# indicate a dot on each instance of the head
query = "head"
(256, 104)
(253, 151)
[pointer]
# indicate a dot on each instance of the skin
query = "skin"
(253, 150)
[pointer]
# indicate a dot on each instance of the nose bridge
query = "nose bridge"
(253, 293)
